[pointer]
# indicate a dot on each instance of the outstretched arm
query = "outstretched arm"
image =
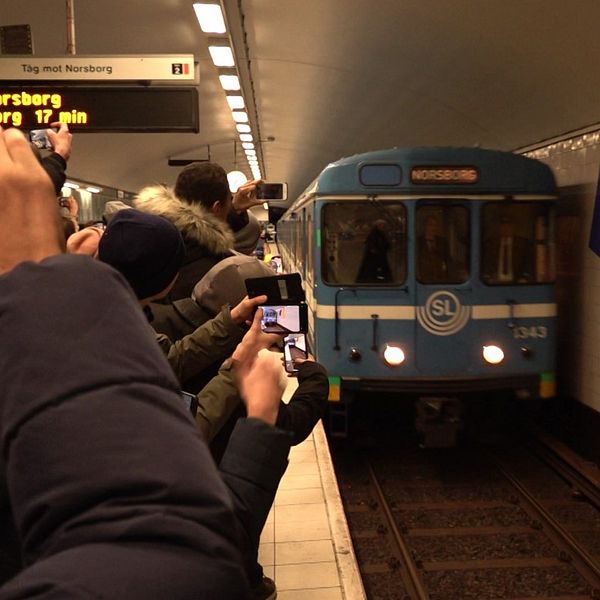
(30, 228)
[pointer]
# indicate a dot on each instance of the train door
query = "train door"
(443, 286)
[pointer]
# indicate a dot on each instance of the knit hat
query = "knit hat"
(147, 249)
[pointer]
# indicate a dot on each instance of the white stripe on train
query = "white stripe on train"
(409, 313)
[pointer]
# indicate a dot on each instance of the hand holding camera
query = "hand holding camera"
(284, 310)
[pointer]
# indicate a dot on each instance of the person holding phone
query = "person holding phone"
(137, 506)
(213, 222)
(55, 163)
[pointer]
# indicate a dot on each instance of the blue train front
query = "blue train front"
(429, 271)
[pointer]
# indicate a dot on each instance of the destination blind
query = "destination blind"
(101, 108)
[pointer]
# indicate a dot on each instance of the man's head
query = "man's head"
(205, 183)
(147, 249)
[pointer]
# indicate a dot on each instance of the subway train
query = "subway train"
(428, 272)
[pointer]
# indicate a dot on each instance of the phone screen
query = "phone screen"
(39, 138)
(281, 319)
(293, 349)
(271, 191)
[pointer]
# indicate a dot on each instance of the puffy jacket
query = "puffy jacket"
(207, 238)
(112, 488)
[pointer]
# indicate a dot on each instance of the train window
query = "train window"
(442, 252)
(517, 243)
(364, 243)
(380, 175)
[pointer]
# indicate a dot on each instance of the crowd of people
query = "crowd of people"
(109, 487)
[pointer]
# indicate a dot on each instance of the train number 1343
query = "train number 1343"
(521, 333)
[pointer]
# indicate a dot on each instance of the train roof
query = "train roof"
(497, 172)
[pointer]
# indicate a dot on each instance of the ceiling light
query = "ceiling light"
(73, 186)
(240, 116)
(235, 102)
(250, 152)
(246, 137)
(235, 179)
(248, 146)
(93, 190)
(221, 53)
(230, 82)
(242, 128)
(210, 17)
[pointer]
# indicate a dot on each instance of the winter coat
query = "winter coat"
(212, 342)
(218, 400)
(207, 238)
(112, 488)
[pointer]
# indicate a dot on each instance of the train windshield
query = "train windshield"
(442, 248)
(364, 243)
(517, 243)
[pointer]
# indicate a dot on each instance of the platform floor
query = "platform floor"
(305, 545)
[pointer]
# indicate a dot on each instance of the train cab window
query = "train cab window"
(364, 243)
(442, 250)
(517, 243)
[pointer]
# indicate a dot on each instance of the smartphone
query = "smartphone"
(271, 191)
(279, 289)
(191, 402)
(39, 138)
(284, 318)
(293, 349)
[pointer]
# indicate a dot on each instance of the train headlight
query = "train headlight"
(393, 355)
(493, 354)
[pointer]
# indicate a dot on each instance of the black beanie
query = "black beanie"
(147, 249)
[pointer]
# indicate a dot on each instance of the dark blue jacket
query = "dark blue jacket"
(112, 488)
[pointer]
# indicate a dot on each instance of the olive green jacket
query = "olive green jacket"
(213, 341)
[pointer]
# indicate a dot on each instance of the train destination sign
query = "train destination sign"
(101, 108)
(147, 67)
(444, 175)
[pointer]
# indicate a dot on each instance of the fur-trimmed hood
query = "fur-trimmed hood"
(193, 221)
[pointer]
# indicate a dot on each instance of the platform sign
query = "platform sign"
(149, 67)
(100, 108)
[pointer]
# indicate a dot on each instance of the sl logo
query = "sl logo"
(443, 314)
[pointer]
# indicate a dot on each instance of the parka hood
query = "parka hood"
(193, 221)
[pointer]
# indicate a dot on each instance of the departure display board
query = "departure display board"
(150, 109)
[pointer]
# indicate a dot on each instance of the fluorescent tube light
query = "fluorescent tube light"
(210, 17)
(235, 102)
(230, 82)
(222, 56)
(240, 116)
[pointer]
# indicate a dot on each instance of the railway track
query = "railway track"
(484, 522)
